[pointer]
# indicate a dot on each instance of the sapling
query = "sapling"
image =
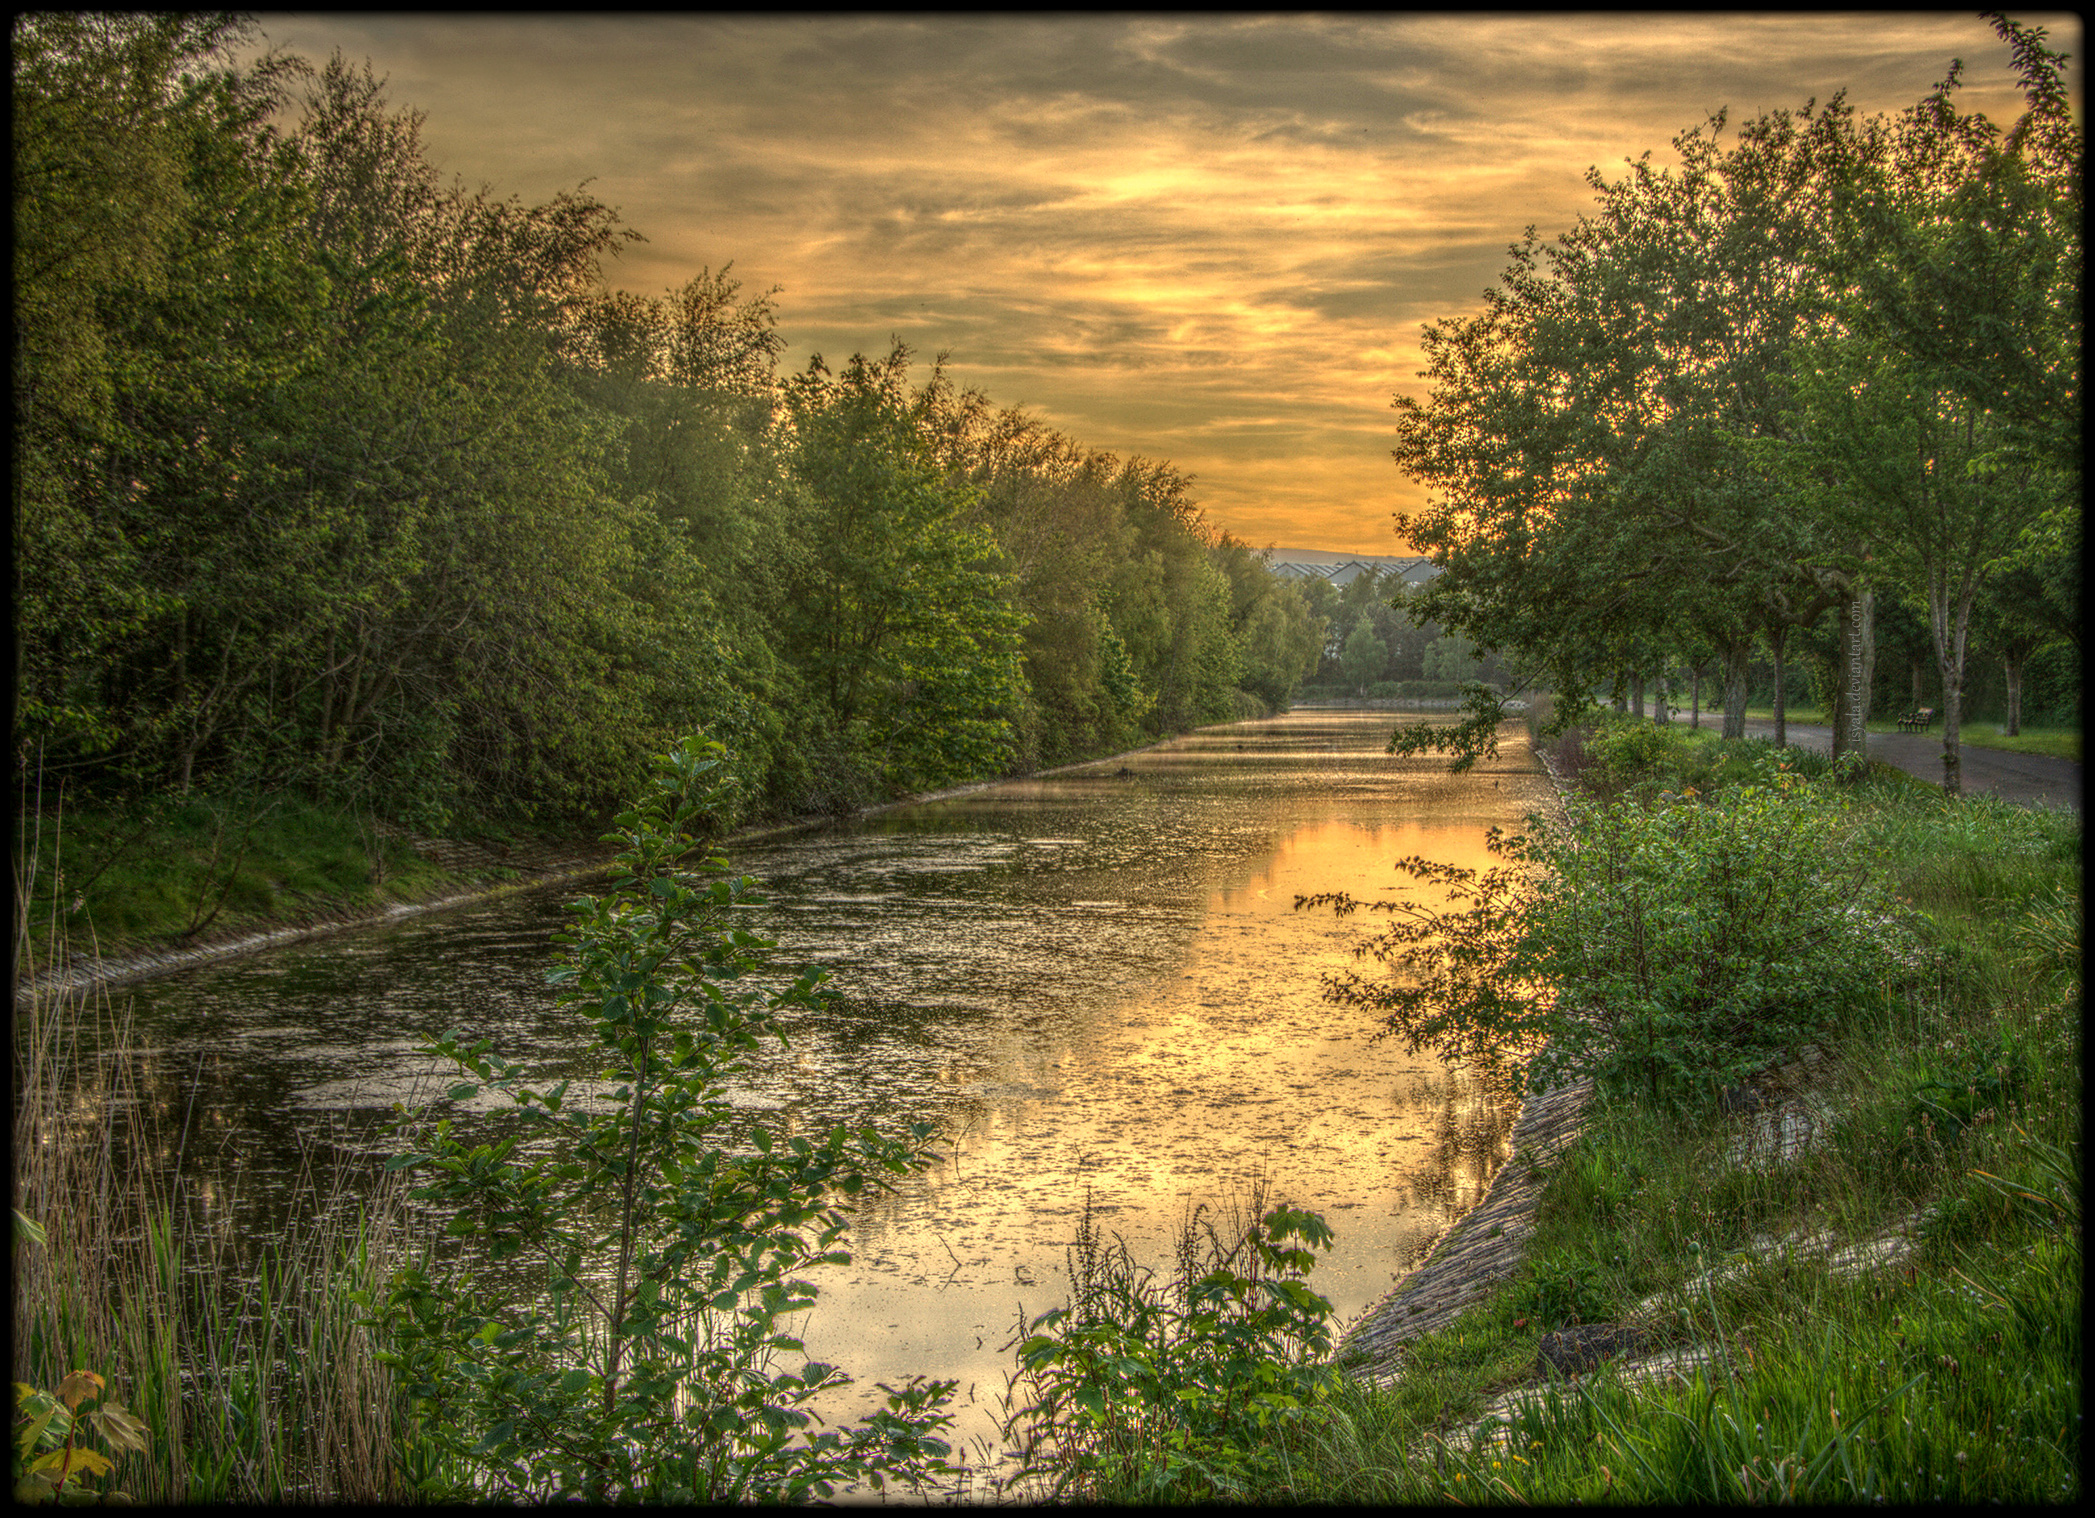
(666, 1248)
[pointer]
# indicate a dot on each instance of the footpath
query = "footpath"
(2026, 779)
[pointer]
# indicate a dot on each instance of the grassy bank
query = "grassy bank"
(180, 872)
(1891, 1312)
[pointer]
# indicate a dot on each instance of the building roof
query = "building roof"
(1412, 571)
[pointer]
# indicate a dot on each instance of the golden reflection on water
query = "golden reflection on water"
(1094, 981)
(1184, 1086)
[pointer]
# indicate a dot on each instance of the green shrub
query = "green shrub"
(1624, 753)
(1138, 1392)
(1559, 1290)
(645, 1371)
(1670, 950)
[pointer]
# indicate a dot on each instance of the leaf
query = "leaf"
(78, 1387)
(81, 1462)
(41, 1413)
(121, 1428)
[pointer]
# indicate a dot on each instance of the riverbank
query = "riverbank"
(1856, 1277)
(395, 873)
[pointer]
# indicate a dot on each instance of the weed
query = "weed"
(1137, 1391)
(1561, 1290)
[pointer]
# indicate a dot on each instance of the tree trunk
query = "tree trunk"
(1777, 639)
(1735, 661)
(2014, 668)
(1695, 697)
(1951, 627)
(1660, 712)
(1620, 700)
(1858, 659)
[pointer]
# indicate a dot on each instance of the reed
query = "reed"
(253, 1367)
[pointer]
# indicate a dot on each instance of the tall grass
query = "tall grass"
(247, 1360)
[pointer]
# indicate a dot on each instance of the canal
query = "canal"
(1093, 980)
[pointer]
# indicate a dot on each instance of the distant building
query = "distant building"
(1413, 571)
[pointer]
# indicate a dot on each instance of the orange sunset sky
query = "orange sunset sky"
(1212, 240)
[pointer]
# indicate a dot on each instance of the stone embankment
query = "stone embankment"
(1485, 1247)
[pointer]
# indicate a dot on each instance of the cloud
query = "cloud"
(1211, 239)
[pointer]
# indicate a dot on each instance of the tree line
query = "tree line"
(1379, 641)
(1825, 373)
(330, 474)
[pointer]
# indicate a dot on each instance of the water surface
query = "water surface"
(1094, 981)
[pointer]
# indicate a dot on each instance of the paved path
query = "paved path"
(2031, 779)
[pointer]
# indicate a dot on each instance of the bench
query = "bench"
(1917, 721)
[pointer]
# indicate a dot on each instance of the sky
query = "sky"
(1212, 240)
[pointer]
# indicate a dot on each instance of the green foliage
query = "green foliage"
(898, 619)
(339, 479)
(1623, 753)
(667, 1254)
(1282, 640)
(1560, 1290)
(1816, 359)
(1669, 950)
(1976, 1087)
(1142, 1392)
(50, 1462)
(1474, 737)
(1363, 656)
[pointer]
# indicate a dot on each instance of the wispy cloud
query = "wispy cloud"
(1208, 239)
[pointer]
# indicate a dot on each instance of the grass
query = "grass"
(1952, 1372)
(173, 871)
(2056, 742)
(250, 1366)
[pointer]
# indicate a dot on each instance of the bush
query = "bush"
(1142, 1393)
(1669, 950)
(644, 1371)
(1624, 753)
(1246, 706)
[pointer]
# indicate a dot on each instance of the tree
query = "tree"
(1282, 641)
(898, 615)
(103, 122)
(1936, 405)
(1364, 656)
(2010, 621)
(1924, 475)
(1170, 601)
